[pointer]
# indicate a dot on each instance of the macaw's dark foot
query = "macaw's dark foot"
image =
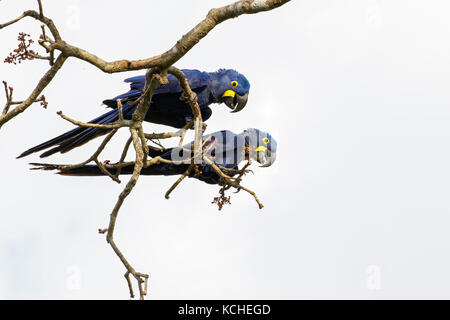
(190, 124)
(232, 172)
(225, 186)
(185, 98)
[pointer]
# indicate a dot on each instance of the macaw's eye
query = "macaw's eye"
(234, 83)
(266, 140)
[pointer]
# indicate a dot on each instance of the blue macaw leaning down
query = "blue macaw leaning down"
(167, 107)
(225, 148)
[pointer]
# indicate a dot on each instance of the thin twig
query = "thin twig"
(181, 178)
(113, 217)
(12, 21)
(229, 181)
(119, 107)
(124, 154)
(112, 125)
(8, 94)
(41, 11)
(105, 171)
(45, 80)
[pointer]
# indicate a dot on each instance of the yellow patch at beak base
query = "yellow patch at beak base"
(261, 148)
(229, 93)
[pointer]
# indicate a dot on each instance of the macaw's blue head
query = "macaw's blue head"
(231, 88)
(262, 147)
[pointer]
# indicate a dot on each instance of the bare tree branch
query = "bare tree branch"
(45, 80)
(114, 125)
(12, 21)
(182, 46)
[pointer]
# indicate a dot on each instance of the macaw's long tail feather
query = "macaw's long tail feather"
(88, 170)
(160, 169)
(78, 136)
(93, 170)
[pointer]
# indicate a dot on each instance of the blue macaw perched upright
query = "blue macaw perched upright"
(167, 106)
(225, 148)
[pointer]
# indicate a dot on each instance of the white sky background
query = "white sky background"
(356, 206)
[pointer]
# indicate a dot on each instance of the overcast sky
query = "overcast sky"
(356, 206)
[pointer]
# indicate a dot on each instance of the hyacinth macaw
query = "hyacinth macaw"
(167, 107)
(225, 148)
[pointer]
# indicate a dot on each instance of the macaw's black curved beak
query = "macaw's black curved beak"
(269, 159)
(265, 157)
(236, 103)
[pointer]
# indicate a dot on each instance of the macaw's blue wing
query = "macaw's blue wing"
(223, 146)
(167, 108)
(196, 79)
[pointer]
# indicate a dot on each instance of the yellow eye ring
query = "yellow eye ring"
(266, 140)
(234, 83)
